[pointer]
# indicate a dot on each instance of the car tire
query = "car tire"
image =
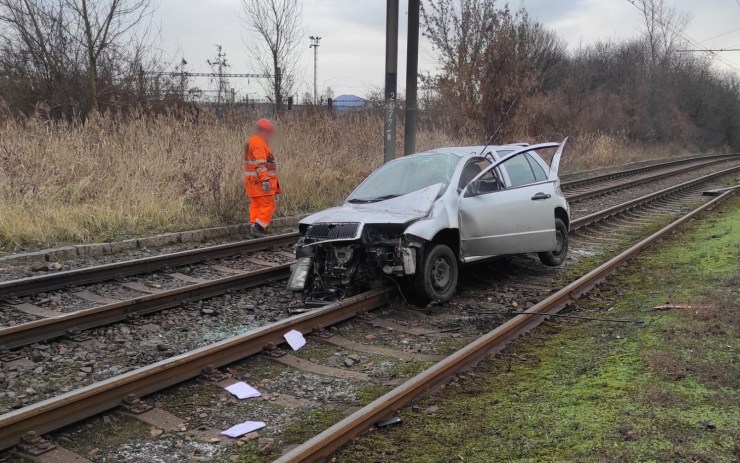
(436, 276)
(557, 257)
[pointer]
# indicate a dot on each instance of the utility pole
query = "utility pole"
(218, 66)
(412, 74)
(183, 63)
(391, 80)
(315, 46)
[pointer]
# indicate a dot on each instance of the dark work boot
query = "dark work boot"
(258, 231)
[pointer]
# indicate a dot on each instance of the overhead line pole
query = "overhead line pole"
(315, 46)
(412, 75)
(391, 80)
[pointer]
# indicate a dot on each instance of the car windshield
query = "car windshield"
(406, 175)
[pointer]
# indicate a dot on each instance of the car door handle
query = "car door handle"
(540, 196)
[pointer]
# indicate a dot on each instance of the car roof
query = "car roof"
(468, 150)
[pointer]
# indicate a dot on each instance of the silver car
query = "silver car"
(416, 219)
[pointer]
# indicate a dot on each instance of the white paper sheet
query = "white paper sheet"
(243, 428)
(295, 339)
(243, 390)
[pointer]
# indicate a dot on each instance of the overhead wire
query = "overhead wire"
(661, 20)
(721, 35)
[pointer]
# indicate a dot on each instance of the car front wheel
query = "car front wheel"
(436, 277)
(558, 256)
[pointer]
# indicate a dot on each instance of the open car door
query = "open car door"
(555, 163)
(518, 218)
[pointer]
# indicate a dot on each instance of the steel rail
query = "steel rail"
(622, 186)
(98, 273)
(330, 440)
(49, 328)
(87, 275)
(60, 411)
(639, 170)
(633, 203)
(65, 409)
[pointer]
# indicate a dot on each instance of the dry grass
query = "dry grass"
(111, 178)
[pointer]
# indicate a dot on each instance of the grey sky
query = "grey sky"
(351, 55)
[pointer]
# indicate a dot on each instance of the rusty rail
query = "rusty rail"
(27, 286)
(640, 170)
(65, 409)
(98, 273)
(49, 328)
(633, 203)
(633, 183)
(364, 419)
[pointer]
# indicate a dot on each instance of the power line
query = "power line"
(686, 37)
(712, 51)
(721, 35)
(207, 74)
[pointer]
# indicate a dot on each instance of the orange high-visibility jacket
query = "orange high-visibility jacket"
(259, 165)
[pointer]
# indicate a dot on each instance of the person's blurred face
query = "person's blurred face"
(266, 134)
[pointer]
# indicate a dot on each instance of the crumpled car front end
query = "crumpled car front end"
(350, 249)
(338, 260)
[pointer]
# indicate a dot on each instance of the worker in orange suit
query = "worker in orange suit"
(260, 177)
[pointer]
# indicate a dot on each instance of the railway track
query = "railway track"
(70, 323)
(585, 182)
(363, 420)
(62, 410)
(575, 191)
(602, 185)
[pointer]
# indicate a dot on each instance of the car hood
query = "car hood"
(403, 209)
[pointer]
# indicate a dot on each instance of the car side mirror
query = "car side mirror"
(473, 188)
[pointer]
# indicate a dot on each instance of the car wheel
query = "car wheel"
(436, 277)
(558, 256)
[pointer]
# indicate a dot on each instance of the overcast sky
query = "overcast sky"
(352, 51)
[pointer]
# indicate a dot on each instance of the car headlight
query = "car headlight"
(299, 275)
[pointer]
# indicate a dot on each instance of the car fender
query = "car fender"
(439, 218)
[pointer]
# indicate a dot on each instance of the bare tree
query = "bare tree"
(664, 28)
(68, 54)
(35, 41)
(106, 28)
(488, 56)
(276, 30)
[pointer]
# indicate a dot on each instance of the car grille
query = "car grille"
(332, 231)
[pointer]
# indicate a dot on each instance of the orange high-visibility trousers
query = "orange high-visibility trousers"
(261, 209)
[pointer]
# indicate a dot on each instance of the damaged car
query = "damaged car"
(416, 219)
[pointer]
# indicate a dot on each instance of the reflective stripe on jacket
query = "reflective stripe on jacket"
(259, 165)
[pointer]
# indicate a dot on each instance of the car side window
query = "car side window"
(471, 170)
(519, 170)
(488, 183)
(539, 172)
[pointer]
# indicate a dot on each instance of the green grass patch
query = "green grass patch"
(311, 422)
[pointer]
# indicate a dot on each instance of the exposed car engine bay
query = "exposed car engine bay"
(338, 260)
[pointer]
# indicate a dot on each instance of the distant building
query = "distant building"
(348, 103)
